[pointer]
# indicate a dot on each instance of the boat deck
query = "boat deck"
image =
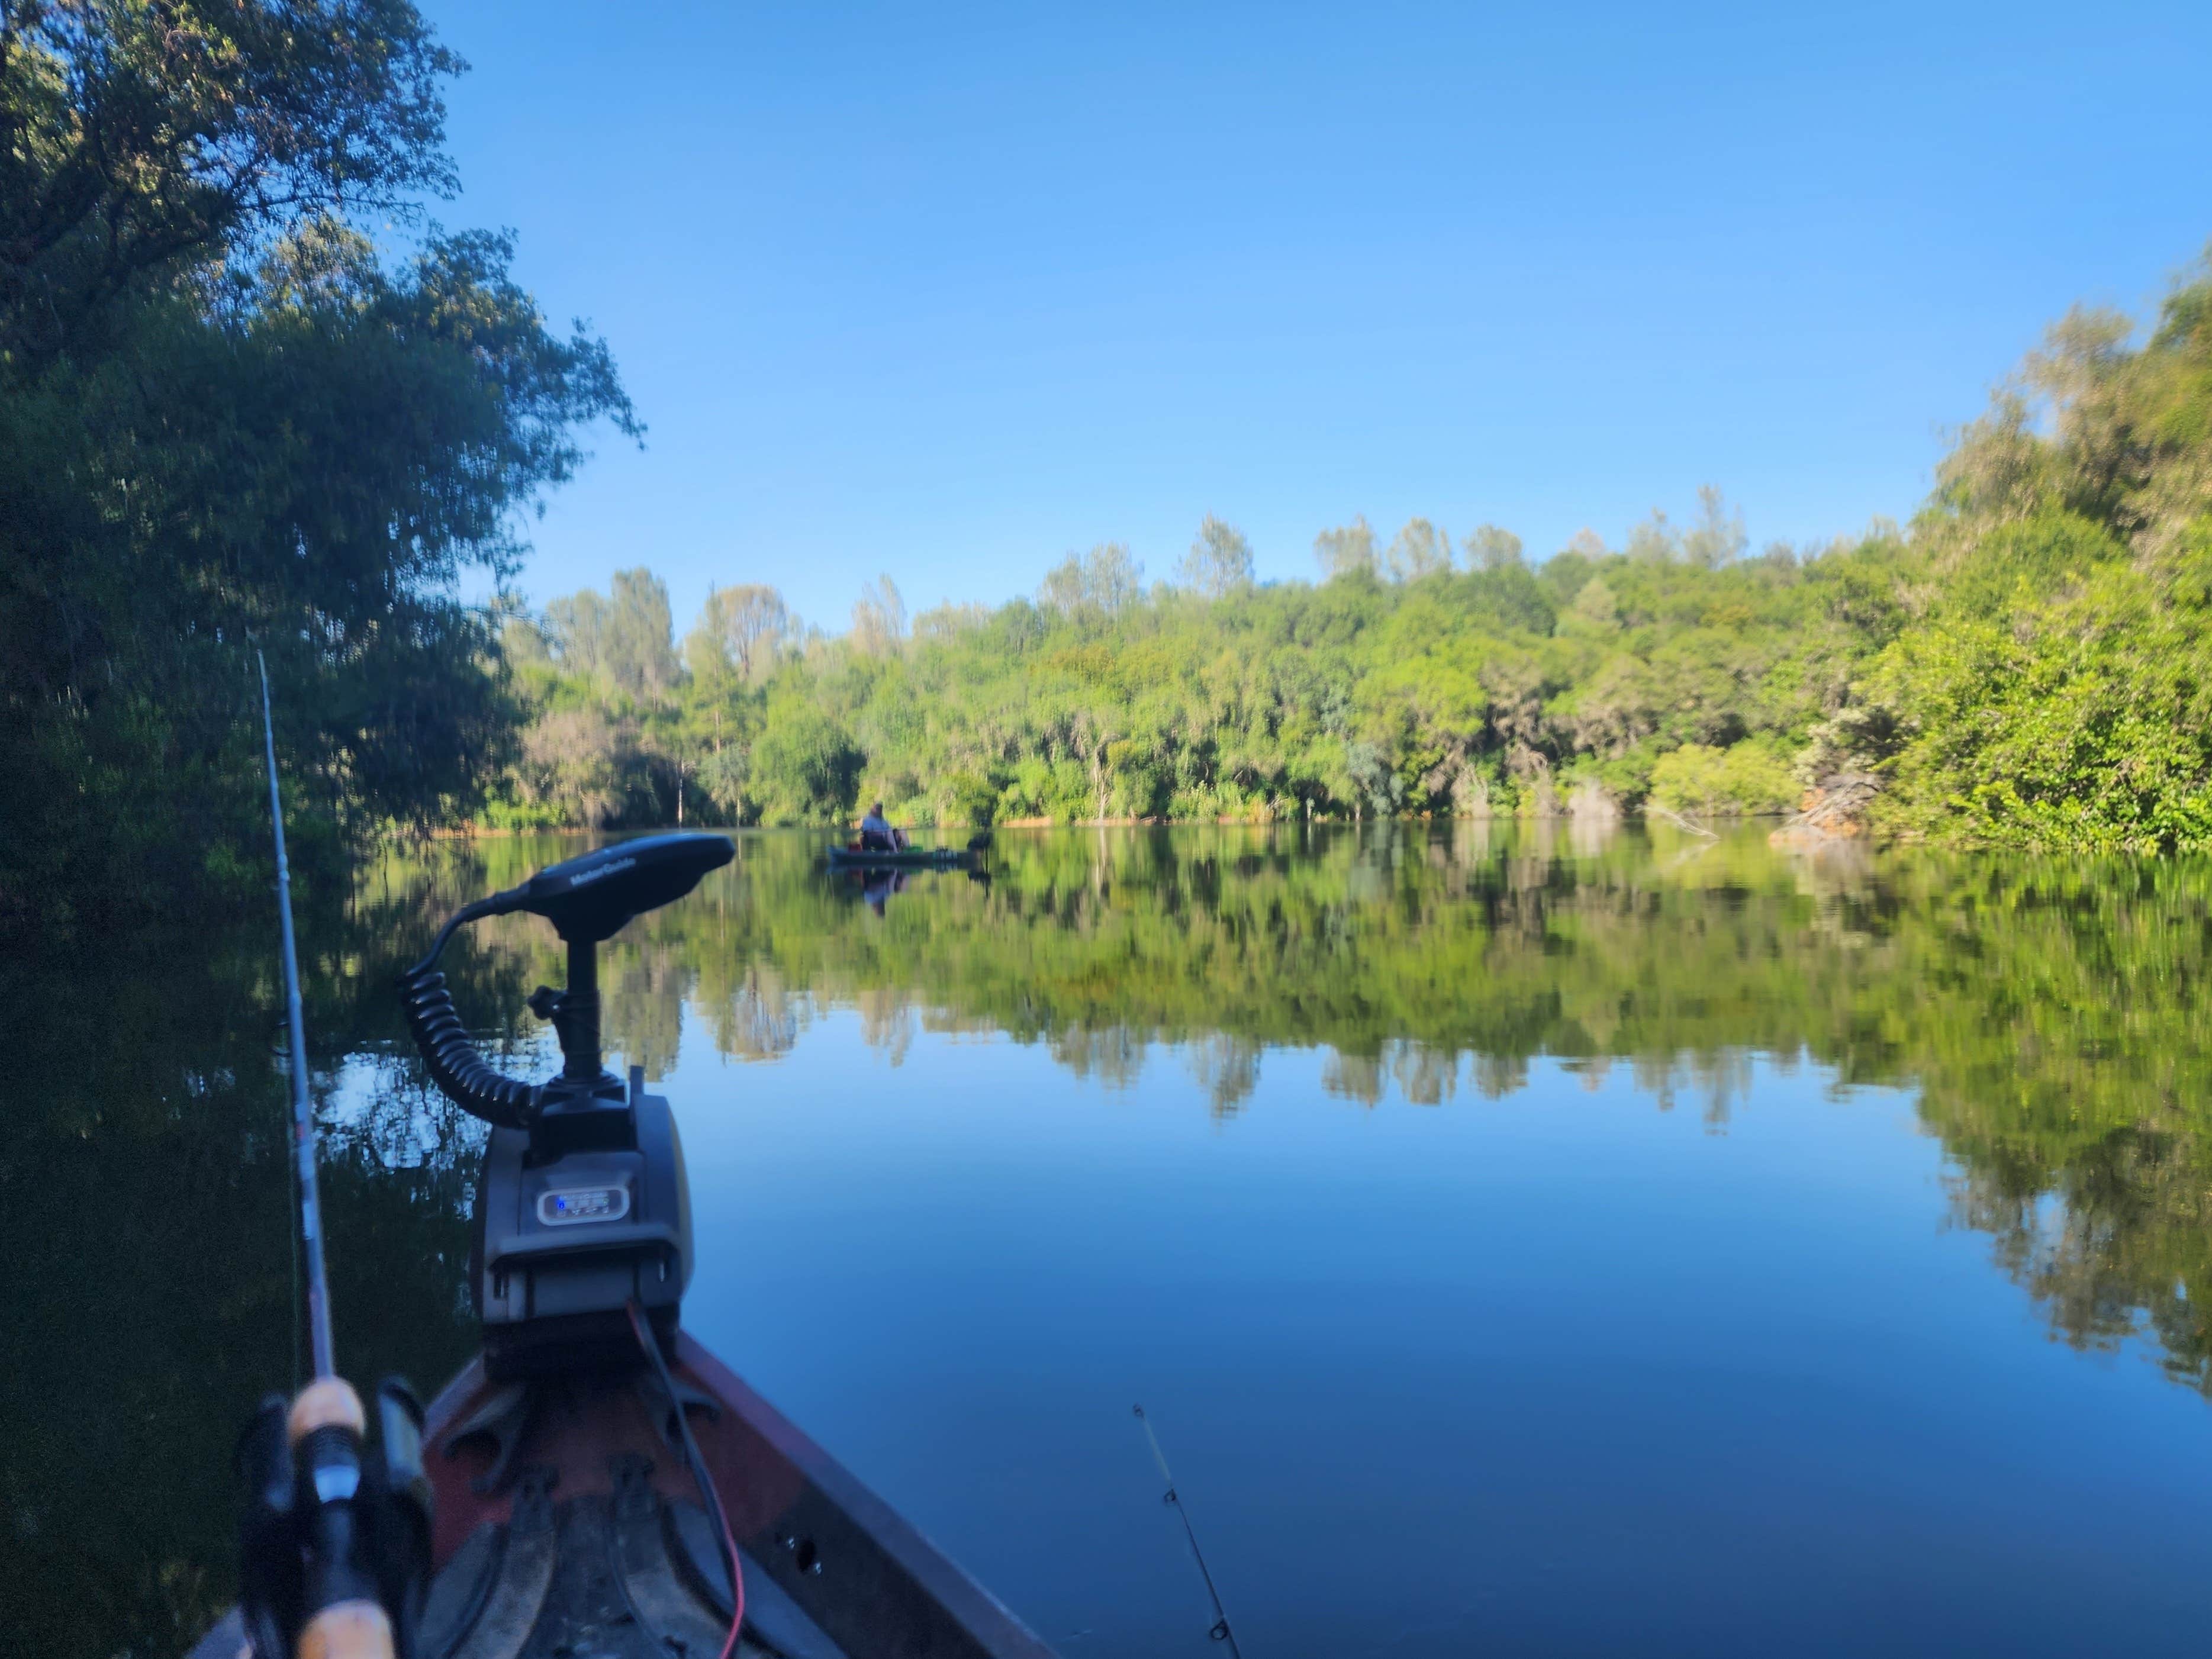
(589, 1542)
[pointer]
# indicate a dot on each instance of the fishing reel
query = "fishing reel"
(583, 1206)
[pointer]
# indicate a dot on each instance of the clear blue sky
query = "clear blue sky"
(948, 291)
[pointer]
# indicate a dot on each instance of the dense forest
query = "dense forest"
(2025, 664)
(251, 400)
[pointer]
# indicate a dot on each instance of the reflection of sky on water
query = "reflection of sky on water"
(1557, 1369)
(1528, 1238)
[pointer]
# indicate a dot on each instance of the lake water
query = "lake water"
(1523, 1241)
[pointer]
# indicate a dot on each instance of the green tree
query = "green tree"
(2061, 696)
(1220, 561)
(806, 767)
(1717, 536)
(1492, 548)
(741, 630)
(1348, 549)
(640, 641)
(141, 142)
(623, 639)
(224, 423)
(1417, 551)
(2020, 666)
(879, 618)
(1094, 587)
(2051, 689)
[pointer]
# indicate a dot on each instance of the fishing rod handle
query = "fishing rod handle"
(328, 1402)
(348, 1629)
(325, 1428)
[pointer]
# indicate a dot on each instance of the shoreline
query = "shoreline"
(484, 832)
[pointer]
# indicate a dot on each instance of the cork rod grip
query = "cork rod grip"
(327, 1402)
(348, 1630)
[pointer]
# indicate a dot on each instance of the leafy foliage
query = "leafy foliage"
(2055, 688)
(2028, 666)
(139, 140)
(1474, 684)
(225, 424)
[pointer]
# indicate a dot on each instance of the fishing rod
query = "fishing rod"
(303, 1111)
(334, 1539)
(1220, 1631)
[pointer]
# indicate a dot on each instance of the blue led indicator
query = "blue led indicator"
(585, 1204)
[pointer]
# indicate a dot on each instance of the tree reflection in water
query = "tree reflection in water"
(2046, 1011)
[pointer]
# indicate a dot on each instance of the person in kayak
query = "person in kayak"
(876, 834)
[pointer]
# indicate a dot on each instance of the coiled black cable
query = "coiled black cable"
(463, 1075)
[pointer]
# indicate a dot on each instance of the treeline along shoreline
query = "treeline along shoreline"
(235, 418)
(2025, 664)
(1416, 678)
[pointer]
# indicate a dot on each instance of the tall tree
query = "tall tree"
(1653, 540)
(1220, 561)
(1095, 586)
(741, 630)
(1346, 550)
(575, 632)
(1492, 547)
(1417, 551)
(624, 638)
(640, 647)
(879, 618)
(1717, 538)
(225, 422)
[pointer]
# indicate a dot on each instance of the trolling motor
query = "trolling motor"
(583, 1242)
(583, 1206)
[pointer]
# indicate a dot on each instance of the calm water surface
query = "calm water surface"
(1523, 1244)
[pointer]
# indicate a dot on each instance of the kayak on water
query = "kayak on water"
(856, 855)
(907, 858)
(595, 1484)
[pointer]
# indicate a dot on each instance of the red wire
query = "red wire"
(715, 1507)
(737, 1589)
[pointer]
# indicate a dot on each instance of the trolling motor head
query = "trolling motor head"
(587, 900)
(591, 898)
(583, 1205)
